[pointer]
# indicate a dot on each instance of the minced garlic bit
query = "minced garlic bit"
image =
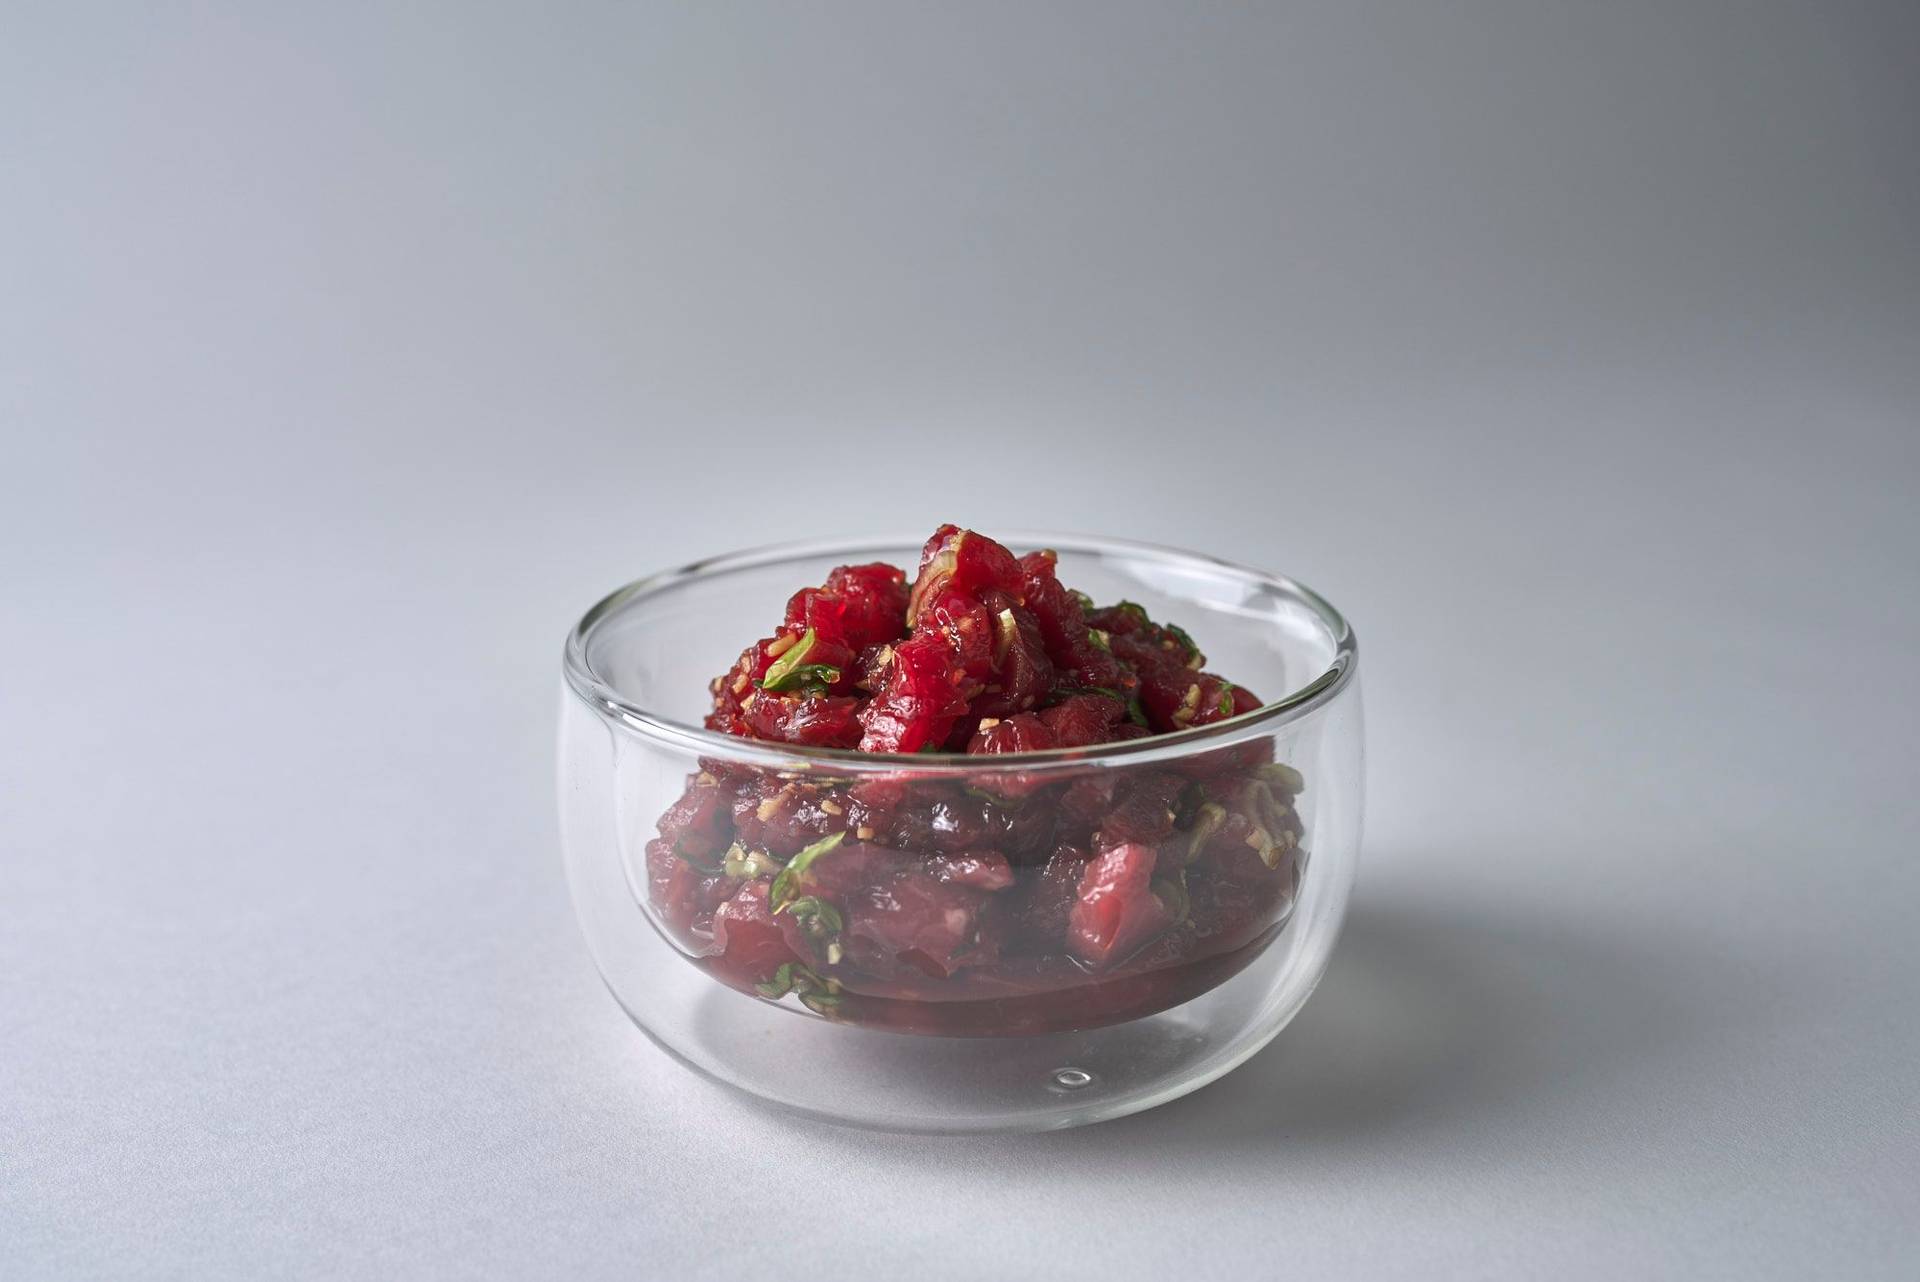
(1271, 849)
(740, 684)
(863, 832)
(780, 645)
(743, 864)
(988, 723)
(831, 807)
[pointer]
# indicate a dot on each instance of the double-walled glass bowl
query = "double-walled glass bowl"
(876, 940)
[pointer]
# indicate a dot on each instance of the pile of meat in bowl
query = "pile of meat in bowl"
(990, 902)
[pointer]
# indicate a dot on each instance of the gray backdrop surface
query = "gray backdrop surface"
(346, 355)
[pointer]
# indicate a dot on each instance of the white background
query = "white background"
(347, 355)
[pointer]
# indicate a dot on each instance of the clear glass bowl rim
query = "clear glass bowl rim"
(1294, 706)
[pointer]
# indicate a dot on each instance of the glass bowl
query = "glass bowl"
(876, 940)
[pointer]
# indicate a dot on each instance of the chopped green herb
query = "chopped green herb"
(780, 985)
(1080, 598)
(1226, 698)
(791, 671)
(808, 678)
(818, 995)
(1100, 640)
(1193, 651)
(820, 922)
(819, 917)
(788, 881)
(796, 977)
(1137, 712)
(1067, 692)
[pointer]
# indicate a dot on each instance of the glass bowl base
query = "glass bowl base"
(892, 1081)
